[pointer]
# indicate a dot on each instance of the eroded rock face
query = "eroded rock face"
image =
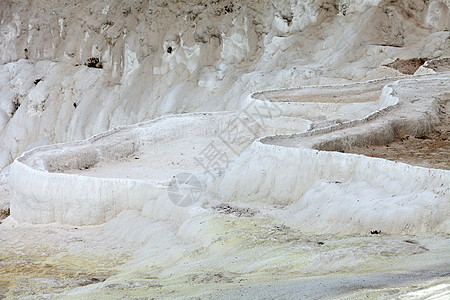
(163, 57)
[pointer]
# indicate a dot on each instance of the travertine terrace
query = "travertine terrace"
(224, 149)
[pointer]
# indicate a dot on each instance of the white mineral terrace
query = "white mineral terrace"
(217, 149)
(316, 188)
(288, 197)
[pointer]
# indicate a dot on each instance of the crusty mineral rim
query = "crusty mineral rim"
(40, 193)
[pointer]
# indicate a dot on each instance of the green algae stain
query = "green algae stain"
(29, 273)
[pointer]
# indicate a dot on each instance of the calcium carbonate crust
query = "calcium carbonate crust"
(321, 190)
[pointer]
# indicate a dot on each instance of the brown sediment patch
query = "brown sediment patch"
(438, 65)
(407, 66)
(237, 211)
(4, 213)
(217, 277)
(430, 151)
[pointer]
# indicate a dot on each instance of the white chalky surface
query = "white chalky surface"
(293, 214)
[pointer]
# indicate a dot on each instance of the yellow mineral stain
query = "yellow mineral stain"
(28, 273)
